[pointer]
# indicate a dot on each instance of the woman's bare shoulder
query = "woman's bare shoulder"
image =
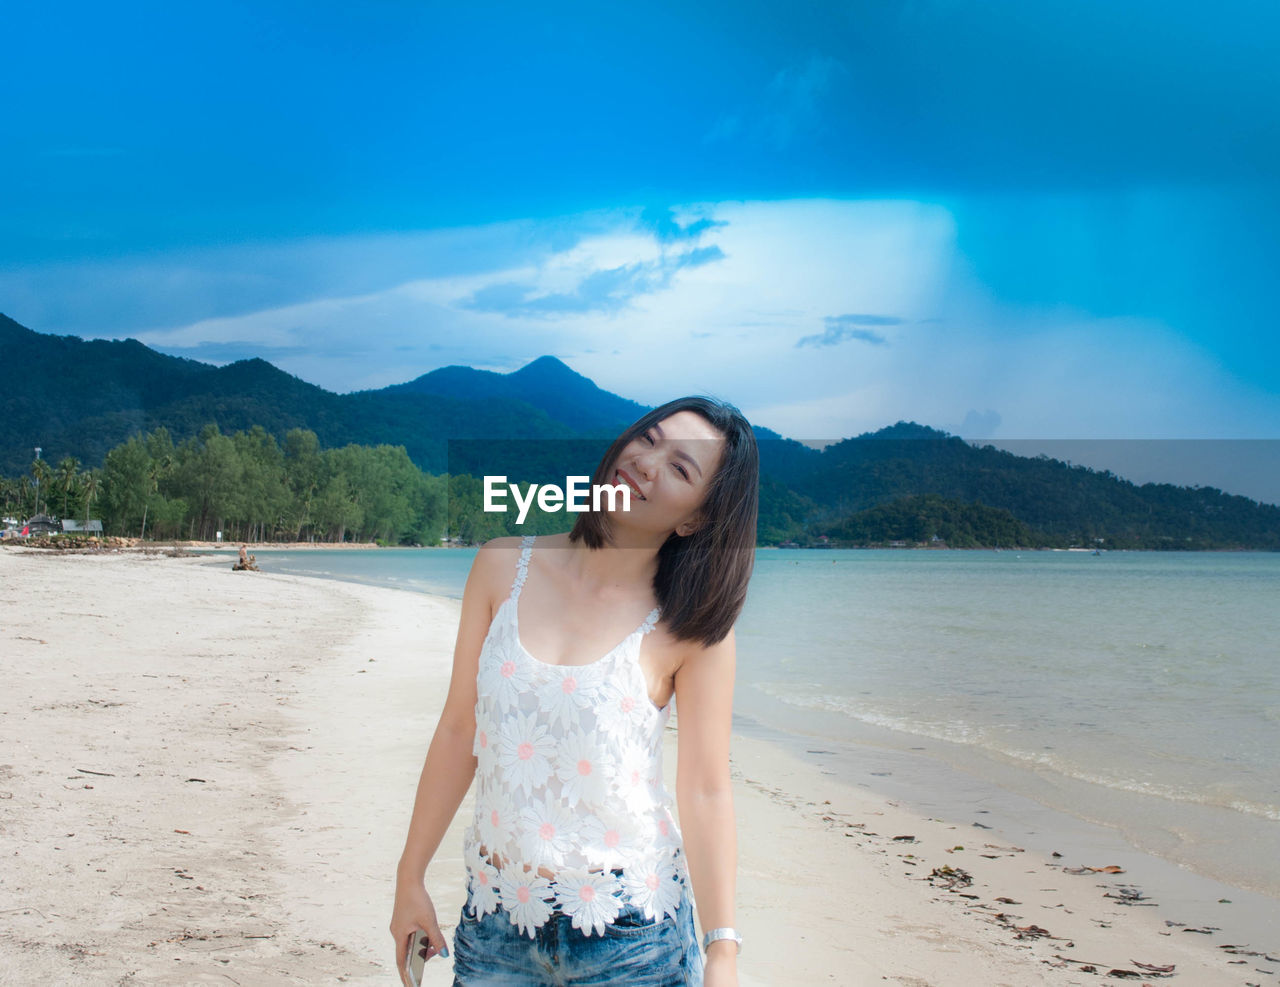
(506, 543)
(495, 558)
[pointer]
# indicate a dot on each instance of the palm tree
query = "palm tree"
(68, 472)
(90, 478)
(42, 473)
(24, 491)
(157, 470)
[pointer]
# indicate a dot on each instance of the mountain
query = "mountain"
(81, 398)
(1064, 504)
(546, 383)
(75, 397)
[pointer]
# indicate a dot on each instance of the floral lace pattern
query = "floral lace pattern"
(569, 778)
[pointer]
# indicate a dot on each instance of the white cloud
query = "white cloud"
(784, 272)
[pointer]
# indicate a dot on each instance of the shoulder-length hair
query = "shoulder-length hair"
(701, 582)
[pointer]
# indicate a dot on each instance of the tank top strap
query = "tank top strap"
(522, 566)
(650, 621)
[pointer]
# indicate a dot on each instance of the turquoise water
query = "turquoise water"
(1138, 690)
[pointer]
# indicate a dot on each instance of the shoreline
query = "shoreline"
(930, 786)
(277, 866)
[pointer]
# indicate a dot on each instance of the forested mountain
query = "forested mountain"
(81, 398)
(1075, 503)
(78, 400)
(546, 383)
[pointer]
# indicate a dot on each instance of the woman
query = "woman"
(576, 871)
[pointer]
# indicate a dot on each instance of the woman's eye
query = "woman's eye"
(648, 438)
(683, 471)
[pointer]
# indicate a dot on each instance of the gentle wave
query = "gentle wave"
(969, 735)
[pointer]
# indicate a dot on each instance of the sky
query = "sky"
(1010, 221)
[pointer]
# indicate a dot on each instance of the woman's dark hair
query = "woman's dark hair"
(701, 582)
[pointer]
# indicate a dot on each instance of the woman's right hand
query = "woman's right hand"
(413, 911)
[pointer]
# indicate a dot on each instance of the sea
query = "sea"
(1138, 692)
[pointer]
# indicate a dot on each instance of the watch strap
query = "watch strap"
(724, 933)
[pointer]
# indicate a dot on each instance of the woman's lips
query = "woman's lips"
(630, 482)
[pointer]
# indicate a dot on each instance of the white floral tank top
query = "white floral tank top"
(569, 781)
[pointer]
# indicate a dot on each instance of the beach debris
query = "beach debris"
(904, 839)
(1208, 930)
(950, 877)
(1246, 951)
(1008, 901)
(1086, 966)
(100, 774)
(201, 780)
(1130, 896)
(1153, 969)
(982, 825)
(184, 832)
(1029, 931)
(1113, 869)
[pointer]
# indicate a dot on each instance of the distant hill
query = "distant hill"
(81, 398)
(546, 383)
(1060, 503)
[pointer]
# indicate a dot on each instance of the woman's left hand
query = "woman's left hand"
(720, 967)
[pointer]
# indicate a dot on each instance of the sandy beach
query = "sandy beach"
(205, 777)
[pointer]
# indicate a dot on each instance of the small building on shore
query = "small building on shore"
(42, 524)
(91, 527)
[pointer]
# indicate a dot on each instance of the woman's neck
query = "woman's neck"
(629, 564)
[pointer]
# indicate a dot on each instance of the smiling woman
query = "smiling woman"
(576, 869)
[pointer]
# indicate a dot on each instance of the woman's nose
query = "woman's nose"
(644, 464)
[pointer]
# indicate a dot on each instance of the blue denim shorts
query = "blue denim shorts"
(490, 951)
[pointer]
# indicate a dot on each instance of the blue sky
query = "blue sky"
(1009, 220)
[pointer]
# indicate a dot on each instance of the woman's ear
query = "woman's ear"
(686, 528)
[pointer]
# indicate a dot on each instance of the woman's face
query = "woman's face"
(669, 468)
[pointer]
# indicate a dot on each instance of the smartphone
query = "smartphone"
(417, 957)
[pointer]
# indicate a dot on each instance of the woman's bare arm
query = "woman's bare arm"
(450, 766)
(704, 704)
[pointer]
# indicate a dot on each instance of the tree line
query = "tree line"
(246, 485)
(252, 487)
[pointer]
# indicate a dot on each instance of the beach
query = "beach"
(206, 775)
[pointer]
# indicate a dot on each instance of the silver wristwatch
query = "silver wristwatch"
(716, 934)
